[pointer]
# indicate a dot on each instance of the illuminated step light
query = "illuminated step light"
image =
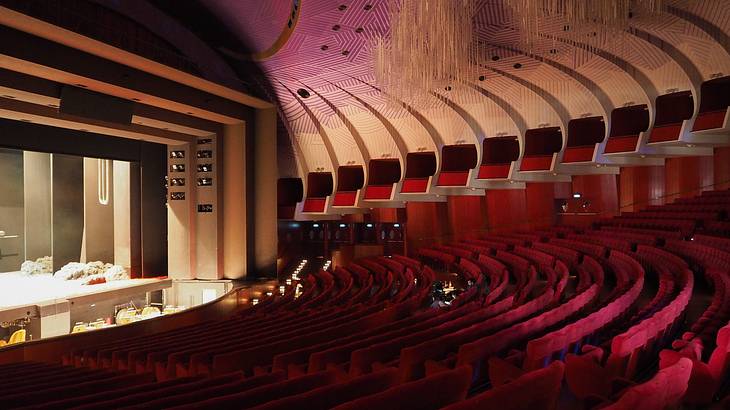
(369, 225)
(577, 195)
(315, 225)
(343, 225)
(396, 225)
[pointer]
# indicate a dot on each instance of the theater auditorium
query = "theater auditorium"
(365, 204)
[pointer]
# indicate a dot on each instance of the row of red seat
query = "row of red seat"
(541, 350)
(362, 336)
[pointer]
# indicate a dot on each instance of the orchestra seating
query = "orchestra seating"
(632, 312)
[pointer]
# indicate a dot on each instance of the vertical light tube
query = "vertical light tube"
(102, 180)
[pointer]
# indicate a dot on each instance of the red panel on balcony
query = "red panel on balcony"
(709, 120)
(345, 198)
(579, 154)
(378, 191)
(415, 185)
(536, 163)
(453, 178)
(669, 132)
(494, 171)
(625, 143)
(314, 204)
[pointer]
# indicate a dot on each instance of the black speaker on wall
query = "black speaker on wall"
(89, 104)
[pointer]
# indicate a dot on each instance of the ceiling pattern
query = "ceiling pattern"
(347, 119)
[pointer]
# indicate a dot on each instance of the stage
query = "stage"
(39, 296)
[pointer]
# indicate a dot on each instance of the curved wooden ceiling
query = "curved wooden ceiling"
(347, 120)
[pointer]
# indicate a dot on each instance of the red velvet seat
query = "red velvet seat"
(329, 396)
(432, 392)
(537, 390)
(259, 395)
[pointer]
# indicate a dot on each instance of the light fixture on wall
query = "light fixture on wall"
(103, 170)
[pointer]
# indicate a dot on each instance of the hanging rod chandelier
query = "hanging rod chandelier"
(430, 46)
(595, 19)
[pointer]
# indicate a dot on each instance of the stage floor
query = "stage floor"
(18, 291)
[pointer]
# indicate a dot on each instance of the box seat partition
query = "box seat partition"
(627, 123)
(671, 111)
(289, 192)
(350, 179)
(541, 145)
(584, 134)
(383, 174)
(320, 185)
(714, 103)
(420, 167)
(456, 163)
(498, 154)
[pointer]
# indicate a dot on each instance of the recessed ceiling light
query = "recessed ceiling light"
(345, 52)
(495, 58)
(367, 7)
(136, 99)
(517, 65)
(447, 88)
(336, 27)
(342, 7)
(359, 30)
(481, 78)
(325, 47)
(303, 93)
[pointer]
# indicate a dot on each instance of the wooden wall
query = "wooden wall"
(539, 204)
(535, 207)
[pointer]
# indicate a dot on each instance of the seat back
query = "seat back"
(538, 389)
(433, 392)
